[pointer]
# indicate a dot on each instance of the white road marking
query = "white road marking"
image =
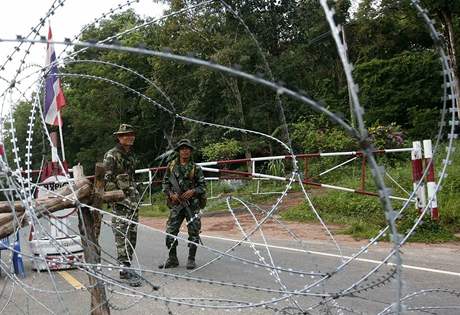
(372, 261)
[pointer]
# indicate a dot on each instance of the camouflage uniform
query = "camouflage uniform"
(120, 168)
(189, 176)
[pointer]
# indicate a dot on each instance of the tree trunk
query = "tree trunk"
(233, 85)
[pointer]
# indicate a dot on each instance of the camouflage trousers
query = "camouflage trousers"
(125, 232)
(176, 217)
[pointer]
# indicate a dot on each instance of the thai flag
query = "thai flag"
(54, 96)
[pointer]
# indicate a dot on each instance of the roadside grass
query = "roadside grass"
(363, 216)
(217, 201)
(157, 209)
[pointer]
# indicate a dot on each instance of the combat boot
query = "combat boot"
(172, 261)
(133, 279)
(191, 257)
(124, 273)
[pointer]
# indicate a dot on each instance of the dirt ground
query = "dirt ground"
(224, 224)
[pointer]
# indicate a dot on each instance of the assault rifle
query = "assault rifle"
(185, 204)
(182, 203)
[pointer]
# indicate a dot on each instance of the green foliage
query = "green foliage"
(396, 90)
(396, 68)
(428, 231)
(442, 5)
(21, 120)
(361, 229)
(276, 168)
(341, 208)
(227, 149)
(299, 213)
(448, 196)
(155, 211)
(350, 211)
(383, 29)
(316, 133)
(388, 136)
(424, 122)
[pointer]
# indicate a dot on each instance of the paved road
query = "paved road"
(425, 268)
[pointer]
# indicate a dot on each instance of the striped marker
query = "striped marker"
(431, 180)
(417, 172)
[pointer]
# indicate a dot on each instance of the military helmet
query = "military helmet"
(184, 143)
(124, 128)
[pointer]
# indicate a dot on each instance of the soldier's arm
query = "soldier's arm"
(109, 165)
(200, 183)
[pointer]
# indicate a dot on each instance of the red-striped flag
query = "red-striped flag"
(54, 96)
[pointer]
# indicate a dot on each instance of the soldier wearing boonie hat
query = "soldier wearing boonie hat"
(185, 188)
(120, 165)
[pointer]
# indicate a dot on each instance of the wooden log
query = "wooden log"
(108, 196)
(42, 206)
(113, 196)
(5, 218)
(89, 225)
(65, 192)
(9, 227)
(45, 206)
(5, 207)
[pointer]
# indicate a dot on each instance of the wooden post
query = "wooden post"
(89, 223)
(362, 185)
(98, 193)
(305, 168)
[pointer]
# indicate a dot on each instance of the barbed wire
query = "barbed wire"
(22, 187)
(99, 266)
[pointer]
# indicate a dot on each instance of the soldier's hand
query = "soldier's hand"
(188, 194)
(175, 198)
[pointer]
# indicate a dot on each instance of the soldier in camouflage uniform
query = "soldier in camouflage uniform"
(184, 204)
(120, 165)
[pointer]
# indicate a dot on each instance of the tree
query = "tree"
(97, 107)
(400, 89)
(448, 12)
(389, 47)
(21, 115)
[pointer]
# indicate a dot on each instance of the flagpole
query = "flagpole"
(60, 135)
